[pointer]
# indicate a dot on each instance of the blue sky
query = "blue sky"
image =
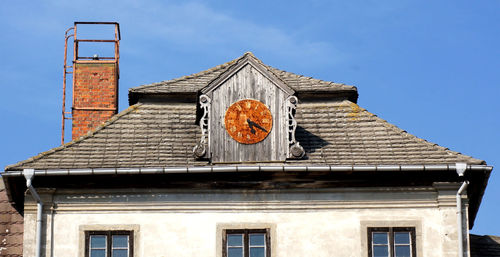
(429, 67)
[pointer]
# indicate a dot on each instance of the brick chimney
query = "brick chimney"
(95, 81)
(95, 95)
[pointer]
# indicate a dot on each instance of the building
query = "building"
(242, 160)
(11, 227)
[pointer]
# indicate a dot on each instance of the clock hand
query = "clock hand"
(251, 124)
(261, 128)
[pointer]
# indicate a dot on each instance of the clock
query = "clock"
(248, 121)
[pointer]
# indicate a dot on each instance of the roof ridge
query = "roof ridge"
(268, 68)
(406, 133)
(243, 57)
(92, 132)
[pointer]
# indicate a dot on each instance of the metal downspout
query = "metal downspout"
(461, 167)
(29, 174)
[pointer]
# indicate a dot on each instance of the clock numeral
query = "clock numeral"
(248, 104)
(238, 107)
(239, 134)
(265, 120)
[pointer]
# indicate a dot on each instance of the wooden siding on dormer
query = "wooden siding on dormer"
(248, 83)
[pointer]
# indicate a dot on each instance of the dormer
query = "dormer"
(247, 116)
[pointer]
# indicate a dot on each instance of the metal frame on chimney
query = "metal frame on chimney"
(68, 69)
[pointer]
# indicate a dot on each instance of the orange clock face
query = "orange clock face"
(248, 121)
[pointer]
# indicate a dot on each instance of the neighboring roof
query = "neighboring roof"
(195, 82)
(11, 227)
(484, 246)
(163, 135)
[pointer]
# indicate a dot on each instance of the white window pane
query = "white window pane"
(380, 251)
(97, 241)
(380, 238)
(120, 241)
(120, 253)
(403, 251)
(235, 240)
(98, 253)
(257, 239)
(257, 252)
(235, 252)
(402, 237)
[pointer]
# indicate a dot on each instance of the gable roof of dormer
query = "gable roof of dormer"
(193, 83)
(247, 59)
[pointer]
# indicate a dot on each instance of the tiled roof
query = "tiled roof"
(11, 227)
(484, 246)
(193, 83)
(163, 135)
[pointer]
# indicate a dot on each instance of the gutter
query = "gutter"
(461, 167)
(29, 174)
(254, 168)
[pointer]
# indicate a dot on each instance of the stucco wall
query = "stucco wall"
(302, 222)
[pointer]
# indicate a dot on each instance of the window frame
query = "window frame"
(246, 239)
(391, 244)
(109, 234)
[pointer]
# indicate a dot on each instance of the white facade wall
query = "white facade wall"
(326, 222)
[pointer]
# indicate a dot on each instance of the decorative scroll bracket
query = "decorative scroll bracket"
(295, 150)
(200, 150)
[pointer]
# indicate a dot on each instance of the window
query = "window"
(391, 242)
(246, 243)
(109, 244)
